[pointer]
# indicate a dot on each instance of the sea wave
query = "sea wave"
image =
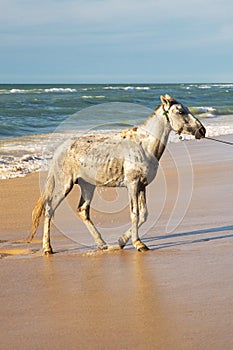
(204, 111)
(59, 90)
(25, 155)
(228, 86)
(27, 109)
(93, 97)
(210, 86)
(204, 86)
(126, 88)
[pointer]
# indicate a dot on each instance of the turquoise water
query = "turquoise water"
(35, 119)
(39, 109)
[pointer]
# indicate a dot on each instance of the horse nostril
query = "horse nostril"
(202, 131)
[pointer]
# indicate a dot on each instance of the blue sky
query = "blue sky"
(101, 41)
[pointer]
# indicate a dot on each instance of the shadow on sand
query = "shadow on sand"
(21, 248)
(181, 241)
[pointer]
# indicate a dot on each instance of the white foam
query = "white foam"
(25, 155)
(90, 96)
(224, 86)
(209, 86)
(39, 91)
(60, 90)
(142, 88)
(126, 88)
(203, 109)
(204, 87)
(220, 130)
(17, 91)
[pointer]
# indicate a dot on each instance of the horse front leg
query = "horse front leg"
(134, 214)
(61, 188)
(143, 213)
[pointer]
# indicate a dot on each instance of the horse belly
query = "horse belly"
(108, 172)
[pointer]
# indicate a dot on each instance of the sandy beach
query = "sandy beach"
(178, 295)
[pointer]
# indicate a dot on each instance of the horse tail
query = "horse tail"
(36, 214)
(39, 208)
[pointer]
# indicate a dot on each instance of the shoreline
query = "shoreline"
(25, 155)
(179, 295)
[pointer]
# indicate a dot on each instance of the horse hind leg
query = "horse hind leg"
(52, 201)
(87, 192)
(47, 248)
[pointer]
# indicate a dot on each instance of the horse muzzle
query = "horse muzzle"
(200, 133)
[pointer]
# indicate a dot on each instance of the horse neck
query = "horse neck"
(157, 130)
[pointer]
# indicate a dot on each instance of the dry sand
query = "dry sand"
(179, 295)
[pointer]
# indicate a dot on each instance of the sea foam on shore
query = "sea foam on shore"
(27, 154)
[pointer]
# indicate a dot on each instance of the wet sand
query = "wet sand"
(178, 295)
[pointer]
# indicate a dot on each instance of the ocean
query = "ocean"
(35, 119)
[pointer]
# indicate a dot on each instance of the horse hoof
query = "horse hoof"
(140, 246)
(48, 252)
(122, 241)
(143, 249)
(103, 247)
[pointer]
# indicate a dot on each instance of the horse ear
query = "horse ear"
(168, 97)
(164, 100)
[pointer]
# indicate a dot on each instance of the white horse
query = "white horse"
(128, 159)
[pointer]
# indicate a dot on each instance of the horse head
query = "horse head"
(181, 119)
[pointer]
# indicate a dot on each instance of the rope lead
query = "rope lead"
(226, 142)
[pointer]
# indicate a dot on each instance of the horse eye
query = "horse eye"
(181, 112)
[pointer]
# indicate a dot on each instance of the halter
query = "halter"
(165, 113)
